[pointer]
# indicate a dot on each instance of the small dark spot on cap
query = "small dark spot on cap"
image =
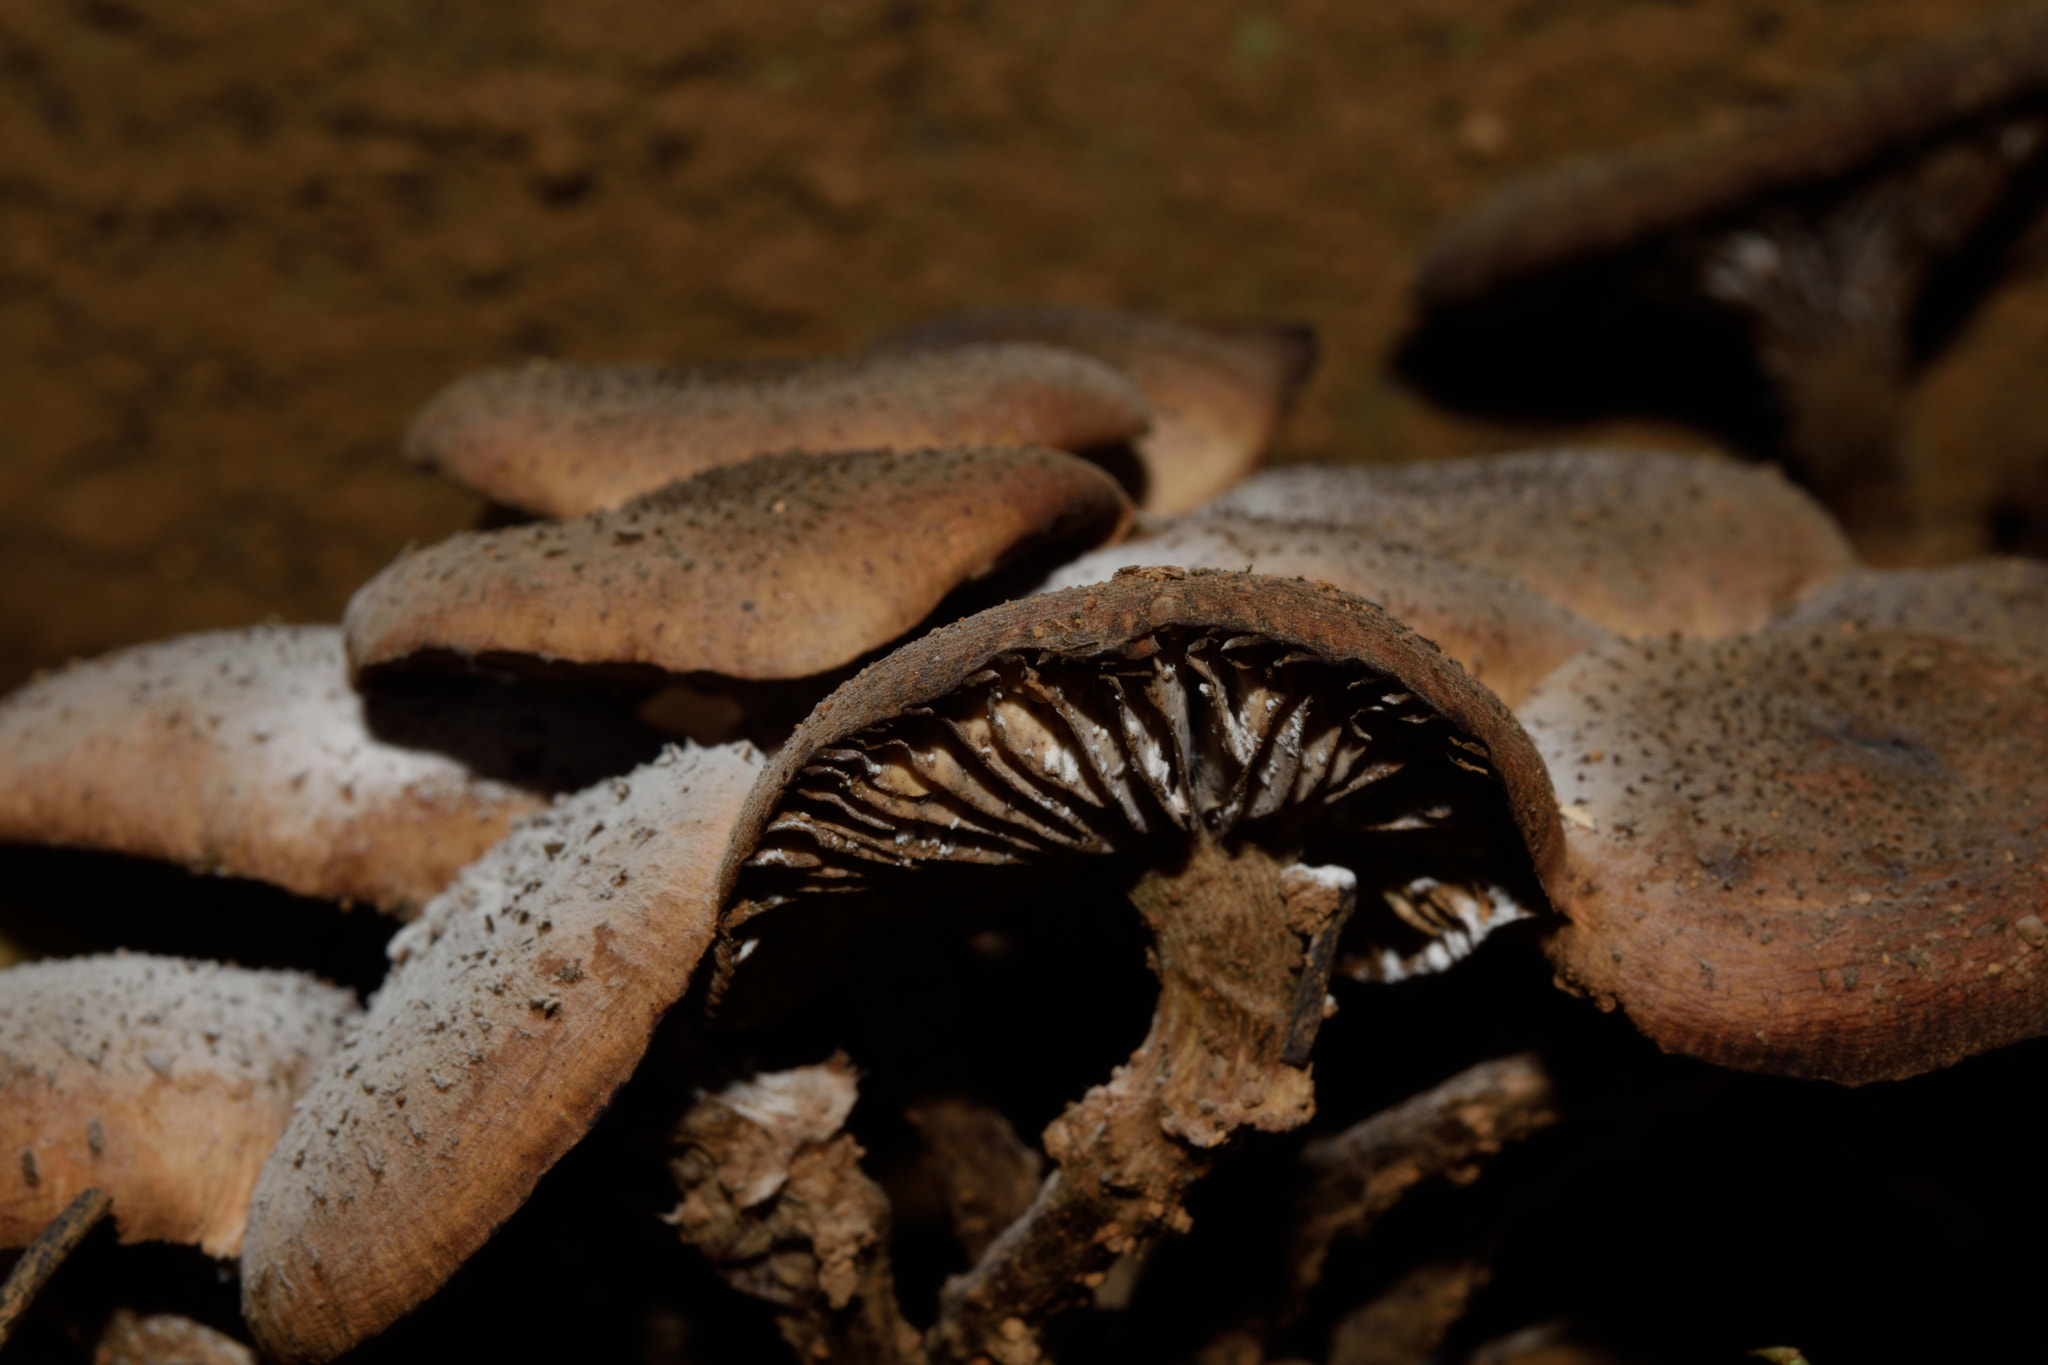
(28, 1168)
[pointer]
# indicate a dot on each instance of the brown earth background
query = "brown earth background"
(242, 240)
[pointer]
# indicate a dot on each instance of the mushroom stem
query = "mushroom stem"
(1240, 941)
(45, 1254)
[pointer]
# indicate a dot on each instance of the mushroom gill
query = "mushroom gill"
(1254, 759)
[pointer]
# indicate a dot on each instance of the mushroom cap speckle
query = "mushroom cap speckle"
(565, 439)
(161, 1081)
(781, 567)
(1506, 636)
(1817, 851)
(1217, 391)
(516, 1004)
(1640, 542)
(1995, 604)
(244, 752)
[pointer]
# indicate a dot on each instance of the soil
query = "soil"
(241, 242)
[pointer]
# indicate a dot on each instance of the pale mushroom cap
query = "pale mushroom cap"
(1217, 392)
(1109, 715)
(1505, 635)
(243, 752)
(518, 1002)
(1995, 604)
(160, 1081)
(781, 567)
(564, 439)
(1812, 851)
(166, 1339)
(1644, 543)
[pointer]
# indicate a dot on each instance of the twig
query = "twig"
(45, 1254)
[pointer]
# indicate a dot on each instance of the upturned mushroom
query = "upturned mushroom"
(1507, 636)
(516, 1004)
(565, 439)
(1217, 391)
(1817, 850)
(778, 568)
(1778, 284)
(1640, 542)
(1255, 758)
(243, 752)
(160, 1081)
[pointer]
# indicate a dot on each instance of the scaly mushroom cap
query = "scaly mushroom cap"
(1995, 604)
(243, 752)
(517, 1003)
(161, 1081)
(1217, 392)
(781, 567)
(1165, 705)
(1815, 851)
(1641, 542)
(563, 439)
(1505, 635)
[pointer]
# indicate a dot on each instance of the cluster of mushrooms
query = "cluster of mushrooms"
(827, 727)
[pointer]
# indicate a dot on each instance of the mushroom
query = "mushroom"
(161, 1081)
(781, 567)
(563, 439)
(1504, 634)
(166, 1339)
(1778, 284)
(1996, 604)
(1217, 391)
(517, 1003)
(1640, 542)
(243, 752)
(1814, 851)
(1254, 758)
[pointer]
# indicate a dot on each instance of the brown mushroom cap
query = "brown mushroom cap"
(517, 1003)
(161, 1081)
(1816, 851)
(1994, 604)
(563, 439)
(1217, 392)
(1505, 635)
(243, 752)
(781, 567)
(1640, 542)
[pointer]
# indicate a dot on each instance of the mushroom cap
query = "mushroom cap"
(1161, 702)
(516, 1004)
(1641, 542)
(161, 1081)
(1504, 634)
(565, 439)
(166, 1339)
(781, 567)
(242, 752)
(1816, 851)
(1994, 604)
(1217, 391)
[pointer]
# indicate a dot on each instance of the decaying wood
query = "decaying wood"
(1356, 1176)
(42, 1257)
(1406, 1322)
(773, 1193)
(989, 1176)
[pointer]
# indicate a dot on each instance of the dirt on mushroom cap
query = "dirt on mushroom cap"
(1506, 635)
(518, 1002)
(563, 439)
(1217, 392)
(1812, 851)
(780, 567)
(244, 752)
(161, 1081)
(1639, 542)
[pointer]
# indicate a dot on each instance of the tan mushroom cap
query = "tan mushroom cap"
(1641, 542)
(242, 752)
(1217, 391)
(161, 1081)
(1160, 700)
(1995, 604)
(166, 1339)
(1816, 851)
(517, 1003)
(781, 567)
(1505, 635)
(564, 439)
